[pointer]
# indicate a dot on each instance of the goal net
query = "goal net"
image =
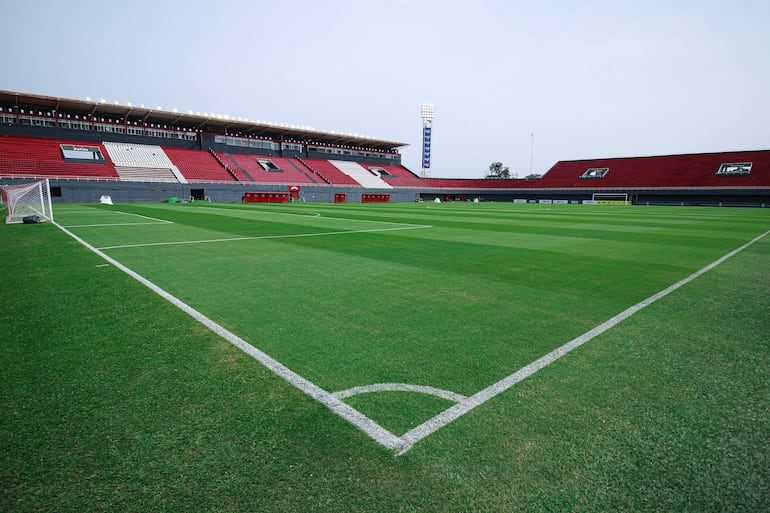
(611, 198)
(28, 200)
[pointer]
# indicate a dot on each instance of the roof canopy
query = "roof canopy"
(206, 123)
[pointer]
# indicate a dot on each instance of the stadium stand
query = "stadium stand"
(271, 170)
(199, 166)
(27, 157)
(230, 164)
(360, 174)
(330, 173)
(137, 155)
(674, 171)
(396, 176)
(83, 141)
(142, 163)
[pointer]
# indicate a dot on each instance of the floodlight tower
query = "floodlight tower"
(428, 111)
(531, 152)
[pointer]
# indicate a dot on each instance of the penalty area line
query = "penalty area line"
(152, 219)
(289, 236)
(453, 413)
(316, 215)
(102, 225)
(162, 221)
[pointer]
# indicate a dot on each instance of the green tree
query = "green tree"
(497, 170)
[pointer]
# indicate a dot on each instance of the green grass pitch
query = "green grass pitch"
(115, 400)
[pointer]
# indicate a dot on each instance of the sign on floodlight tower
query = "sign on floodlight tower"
(428, 110)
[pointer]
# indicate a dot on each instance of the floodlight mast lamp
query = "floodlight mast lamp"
(428, 111)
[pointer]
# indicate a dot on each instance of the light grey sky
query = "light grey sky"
(588, 78)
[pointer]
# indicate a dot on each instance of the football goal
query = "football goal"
(611, 198)
(31, 201)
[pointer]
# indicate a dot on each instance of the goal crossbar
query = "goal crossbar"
(28, 200)
(611, 198)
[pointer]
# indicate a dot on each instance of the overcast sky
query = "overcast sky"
(587, 78)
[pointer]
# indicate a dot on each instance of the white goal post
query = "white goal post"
(611, 198)
(28, 200)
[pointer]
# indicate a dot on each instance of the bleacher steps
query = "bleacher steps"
(361, 175)
(146, 174)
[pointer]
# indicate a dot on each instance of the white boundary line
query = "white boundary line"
(163, 221)
(111, 224)
(442, 419)
(358, 419)
(232, 239)
(403, 444)
(316, 215)
(156, 221)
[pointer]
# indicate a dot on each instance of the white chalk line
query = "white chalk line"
(316, 215)
(68, 211)
(258, 211)
(152, 219)
(403, 444)
(102, 225)
(164, 221)
(410, 438)
(287, 236)
(358, 419)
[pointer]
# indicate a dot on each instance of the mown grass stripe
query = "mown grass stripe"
(431, 426)
(362, 422)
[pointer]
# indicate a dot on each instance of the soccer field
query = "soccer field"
(409, 357)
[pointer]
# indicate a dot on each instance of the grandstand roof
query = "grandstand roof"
(206, 123)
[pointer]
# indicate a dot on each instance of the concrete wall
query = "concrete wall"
(80, 191)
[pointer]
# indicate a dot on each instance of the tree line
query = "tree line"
(498, 171)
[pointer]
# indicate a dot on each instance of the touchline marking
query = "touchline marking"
(232, 239)
(358, 419)
(442, 419)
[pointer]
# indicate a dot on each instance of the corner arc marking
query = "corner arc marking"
(400, 387)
